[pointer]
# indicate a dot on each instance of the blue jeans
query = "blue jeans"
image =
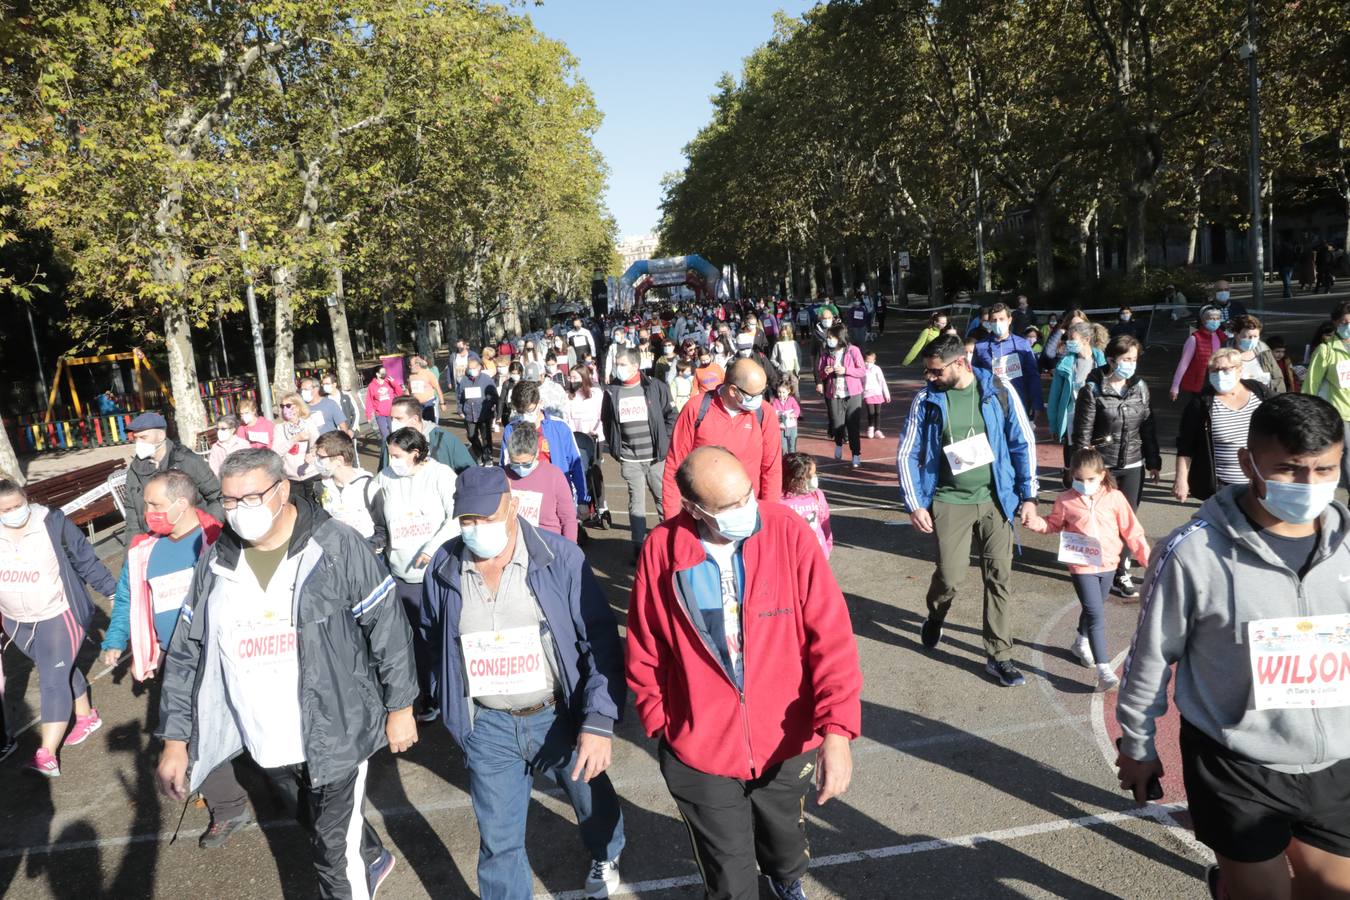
(789, 439)
(1092, 593)
(504, 753)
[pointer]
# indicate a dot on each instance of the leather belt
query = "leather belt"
(528, 710)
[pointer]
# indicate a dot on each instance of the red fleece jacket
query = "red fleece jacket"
(758, 445)
(802, 677)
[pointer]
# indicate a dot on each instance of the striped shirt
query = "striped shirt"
(1229, 430)
(635, 426)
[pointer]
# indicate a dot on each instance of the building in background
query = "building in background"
(632, 249)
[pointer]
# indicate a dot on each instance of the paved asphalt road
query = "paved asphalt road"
(961, 788)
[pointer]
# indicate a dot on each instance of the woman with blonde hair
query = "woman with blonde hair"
(294, 439)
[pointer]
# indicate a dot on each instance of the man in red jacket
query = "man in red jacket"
(733, 417)
(736, 612)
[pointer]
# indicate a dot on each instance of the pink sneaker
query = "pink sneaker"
(44, 764)
(84, 726)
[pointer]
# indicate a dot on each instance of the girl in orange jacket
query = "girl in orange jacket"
(1095, 522)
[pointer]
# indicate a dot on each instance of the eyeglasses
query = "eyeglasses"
(937, 373)
(288, 406)
(249, 501)
(737, 505)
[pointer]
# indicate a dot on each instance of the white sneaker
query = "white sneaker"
(603, 878)
(839, 451)
(880, 434)
(857, 461)
(871, 432)
(1106, 679)
(1083, 650)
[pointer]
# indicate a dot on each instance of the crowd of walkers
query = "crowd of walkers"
(293, 608)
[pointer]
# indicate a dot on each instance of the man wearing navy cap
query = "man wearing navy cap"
(156, 453)
(528, 672)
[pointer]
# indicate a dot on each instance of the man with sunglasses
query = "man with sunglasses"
(967, 465)
(288, 646)
(730, 416)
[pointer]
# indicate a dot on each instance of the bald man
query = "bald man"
(731, 416)
(778, 696)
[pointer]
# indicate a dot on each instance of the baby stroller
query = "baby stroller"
(595, 484)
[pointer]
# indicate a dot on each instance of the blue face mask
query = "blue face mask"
(1221, 296)
(750, 404)
(1245, 344)
(1000, 328)
(1072, 348)
(1212, 324)
(1297, 504)
(1125, 369)
(523, 469)
(1223, 381)
(1343, 332)
(739, 523)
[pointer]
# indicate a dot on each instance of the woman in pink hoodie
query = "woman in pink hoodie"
(840, 372)
(1094, 521)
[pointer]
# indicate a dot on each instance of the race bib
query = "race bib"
(262, 649)
(411, 530)
(1079, 549)
(579, 340)
(510, 661)
(1300, 663)
(259, 437)
(632, 409)
(1343, 373)
(168, 591)
(316, 419)
(1009, 367)
(473, 393)
(530, 504)
(787, 419)
(417, 385)
(859, 315)
(969, 454)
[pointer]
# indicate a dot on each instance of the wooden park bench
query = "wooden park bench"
(85, 495)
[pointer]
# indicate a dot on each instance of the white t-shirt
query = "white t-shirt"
(261, 667)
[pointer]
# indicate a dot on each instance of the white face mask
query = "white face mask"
(307, 396)
(224, 433)
(1087, 488)
(251, 524)
(813, 483)
(325, 466)
(400, 466)
(16, 518)
(330, 388)
(145, 449)
(486, 539)
(248, 418)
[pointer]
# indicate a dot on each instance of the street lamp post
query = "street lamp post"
(1248, 52)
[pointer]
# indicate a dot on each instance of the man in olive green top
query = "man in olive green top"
(967, 466)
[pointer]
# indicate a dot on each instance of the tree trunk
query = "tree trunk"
(188, 411)
(344, 359)
(811, 281)
(1136, 231)
(390, 329)
(1193, 239)
(9, 462)
(1045, 248)
(936, 295)
(283, 352)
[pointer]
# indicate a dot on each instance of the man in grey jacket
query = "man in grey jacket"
(291, 645)
(1250, 601)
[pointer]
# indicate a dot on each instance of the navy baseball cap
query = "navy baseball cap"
(479, 489)
(146, 421)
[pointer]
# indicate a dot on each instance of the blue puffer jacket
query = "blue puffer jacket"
(584, 633)
(1063, 393)
(919, 458)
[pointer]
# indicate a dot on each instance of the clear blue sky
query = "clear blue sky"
(652, 65)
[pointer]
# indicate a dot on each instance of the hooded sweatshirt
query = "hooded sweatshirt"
(419, 510)
(1207, 581)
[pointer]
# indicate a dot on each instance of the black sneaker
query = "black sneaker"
(7, 747)
(378, 871)
(1007, 674)
(787, 891)
(1124, 587)
(931, 633)
(1213, 882)
(218, 835)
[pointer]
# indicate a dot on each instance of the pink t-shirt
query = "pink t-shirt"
(816, 511)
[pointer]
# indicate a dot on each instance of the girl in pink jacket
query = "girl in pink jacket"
(1094, 522)
(875, 393)
(801, 491)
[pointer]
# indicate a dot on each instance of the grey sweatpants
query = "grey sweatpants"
(641, 477)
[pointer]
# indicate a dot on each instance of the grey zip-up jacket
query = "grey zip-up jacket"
(1207, 580)
(353, 642)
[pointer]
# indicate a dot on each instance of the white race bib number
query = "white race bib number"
(1079, 549)
(632, 409)
(412, 530)
(168, 591)
(259, 437)
(1300, 663)
(530, 504)
(417, 385)
(1009, 367)
(262, 649)
(473, 393)
(1343, 373)
(787, 419)
(969, 454)
(510, 661)
(316, 419)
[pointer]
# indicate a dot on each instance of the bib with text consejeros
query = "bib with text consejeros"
(1300, 662)
(1009, 367)
(505, 662)
(1079, 549)
(968, 454)
(168, 590)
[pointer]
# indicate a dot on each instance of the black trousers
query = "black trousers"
(480, 437)
(846, 420)
(343, 843)
(734, 825)
(1131, 484)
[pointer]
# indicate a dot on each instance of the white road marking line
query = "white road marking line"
(1154, 813)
